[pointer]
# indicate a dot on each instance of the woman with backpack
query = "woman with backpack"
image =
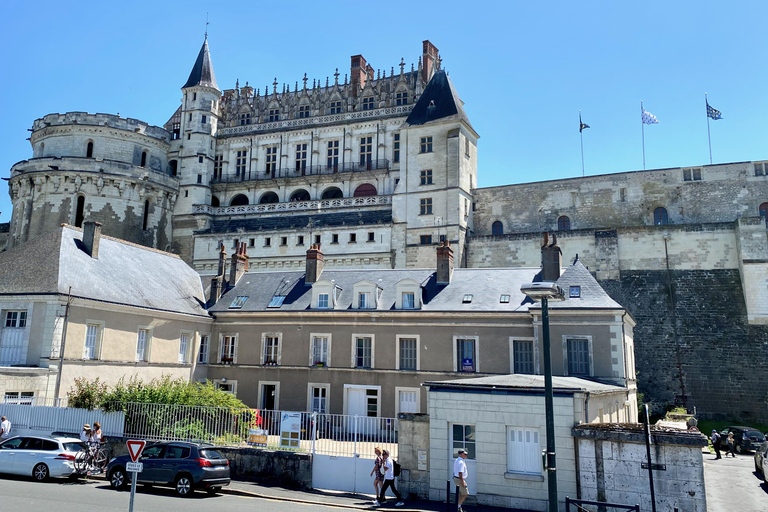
(388, 468)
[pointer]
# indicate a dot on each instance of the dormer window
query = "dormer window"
(409, 300)
(364, 300)
(467, 299)
(408, 294)
(366, 295)
(322, 301)
(575, 292)
(504, 299)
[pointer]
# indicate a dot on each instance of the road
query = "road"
(24, 494)
(733, 485)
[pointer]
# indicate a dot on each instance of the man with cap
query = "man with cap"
(460, 477)
(716, 443)
(5, 428)
(85, 435)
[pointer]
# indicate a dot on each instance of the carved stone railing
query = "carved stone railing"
(296, 206)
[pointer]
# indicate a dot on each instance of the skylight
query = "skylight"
(276, 301)
(239, 302)
(504, 299)
(467, 298)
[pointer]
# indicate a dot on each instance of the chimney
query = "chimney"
(314, 264)
(358, 73)
(218, 281)
(444, 262)
(551, 259)
(91, 238)
(429, 62)
(239, 264)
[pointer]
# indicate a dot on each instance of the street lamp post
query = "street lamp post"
(544, 292)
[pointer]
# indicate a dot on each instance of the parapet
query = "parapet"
(109, 120)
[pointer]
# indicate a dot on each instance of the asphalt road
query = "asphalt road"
(733, 485)
(24, 494)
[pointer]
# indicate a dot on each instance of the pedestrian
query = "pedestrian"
(378, 480)
(388, 467)
(5, 428)
(85, 434)
(715, 438)
(97, 437)
(731, 445)
(460, 477)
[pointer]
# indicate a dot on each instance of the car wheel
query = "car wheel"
(213, 490)
(117, 478)
(183, 485)
(40, 472)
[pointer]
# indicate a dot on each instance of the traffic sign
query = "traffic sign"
(134, 467)
(135, 447)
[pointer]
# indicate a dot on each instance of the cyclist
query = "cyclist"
(97, 436)
(85, 434)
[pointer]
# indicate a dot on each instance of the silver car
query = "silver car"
(40, 457)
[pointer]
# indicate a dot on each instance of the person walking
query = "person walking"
(460, 477)
(378, 480)
(731, 445)
(388, 466)
(715, 438)
(5, 428)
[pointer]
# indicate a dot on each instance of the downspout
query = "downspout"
(673, 304)
(63, 345)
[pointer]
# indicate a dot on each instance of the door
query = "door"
(12, 346)
(268, 402)
(174, 457)
(363, 403)
(31, 450)
(8, 453)
(408, 402)
(463, 437)
(151, 458)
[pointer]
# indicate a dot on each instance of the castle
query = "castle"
(378, 168)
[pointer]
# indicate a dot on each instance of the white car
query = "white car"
(39, 457)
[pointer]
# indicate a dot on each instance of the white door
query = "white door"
(26, 458)
(12, 346)
(8, 454)
(356, 407)
(408, 402)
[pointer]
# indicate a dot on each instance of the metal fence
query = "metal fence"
(49, 416)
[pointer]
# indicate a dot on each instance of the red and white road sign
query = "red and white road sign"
(135, 447)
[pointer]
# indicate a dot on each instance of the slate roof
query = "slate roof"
(439, 101)
(124, 273)
(293, 221)
(485, 285)
(202, 71)
(526, 382)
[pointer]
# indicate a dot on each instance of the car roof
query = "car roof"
(742, 428)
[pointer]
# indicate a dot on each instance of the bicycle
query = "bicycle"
(92, 460)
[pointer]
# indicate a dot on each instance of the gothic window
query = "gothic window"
(366, 189)
(497, 228)
(300, 195)
(301, 157)
(239, 200)
(401, 98)
(240, 160)
(336, 107)
(217, 162)
(89, 150)
(425, 206)
(146, 215)
(396, 148)
(80, 211)
(332, 193)
(245, 118)
(303, 111)
(368, 103)
(763, 210)
(660, 217)
(366, 151)
(333, 155)
(563, 223)
(274, 114)
(271, 160)
(143, 159)
(268, 198)
(426, 145)
(174, 166)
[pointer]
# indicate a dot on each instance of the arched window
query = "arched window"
(89, 150)
(763, 209)
(174, 167)
(146, 215)
(366, 189)
(268, 198)
(80, 211)
(239, 200)
(42, 149)
(563, 223)
(497, 228)
(660, 217)
(143, 159)
(332, 193)
(215, 201)
(300, 195)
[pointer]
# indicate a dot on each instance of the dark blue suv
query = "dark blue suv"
(184, 466)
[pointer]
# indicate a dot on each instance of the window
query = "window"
(759, 170)
(426, 177)
(363, 352)
(334, 238)
(353, 238)
(396, 148)
(176, 131)
(271, 160)
(497, 228)
(303, 111)
(245, 118)
(92, 332)
(697, 175)
(204, 119)
(366, 151)
(80, 211)
(183, 348)
(401, 98)
(574, 292)
(523, 451)
(563, 223)
(371, 236)
(267, 241)
(277, 301)
(141, 345)
(200, 159)
(239, 302)
(425, 206)
(368, 103)
(426, 145)
(504, 298)
(466, 147)
(364, 300)
(660, 217)
(144, 159)
(318, 399)
(763, 209)
(283, 240)
(425, 239)
(189, 118)
(408, 348)
(522, 356)
(300, 240)
(320, 350)
(464, 439)
(89, 150)
(202, 356)
(301, 157)
(365, 190)
(217, 161)
(409, 300)
(686, 175)
(145, 221)
(240, 160)
(173, 166)
(16, 319)
(623, 195)
(333, 155)
(318, 238)
(322, 301)
(199, 180)
(194, 96)
(466, 359)
(271, 350)
(274, 115)
(24, 398)
(467, 299)
(251, 242)
(578, 356)
(228, 344)
(336, 107)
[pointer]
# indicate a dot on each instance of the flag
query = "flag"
(713, 113)
(582, 125)
(649, 118)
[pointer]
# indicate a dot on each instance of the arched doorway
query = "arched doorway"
(332, 193)
(239, 200)
(366, 189)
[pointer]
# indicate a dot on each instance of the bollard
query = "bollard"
(448, 496)
(457, 500)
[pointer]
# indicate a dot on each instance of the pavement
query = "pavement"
(733, 484)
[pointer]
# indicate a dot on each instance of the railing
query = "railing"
(322, 204)
(48, 416)
(303, 170)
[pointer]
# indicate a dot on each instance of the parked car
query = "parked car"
(40, 457)
(747, 438)
(183, 466)
(760, 455)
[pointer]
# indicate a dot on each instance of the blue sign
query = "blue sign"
(467, 365)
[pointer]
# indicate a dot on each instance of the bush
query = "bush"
(87, 395)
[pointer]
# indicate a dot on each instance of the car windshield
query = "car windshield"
(210, 454)
(74, 447)
(755, 435)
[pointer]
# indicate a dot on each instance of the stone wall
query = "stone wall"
(286, 469)
(413, 438)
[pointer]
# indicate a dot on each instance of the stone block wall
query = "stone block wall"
(286, 469)
(413, 436)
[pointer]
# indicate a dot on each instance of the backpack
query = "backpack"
(396, 468)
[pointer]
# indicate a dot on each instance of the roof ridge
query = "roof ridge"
(125, 242)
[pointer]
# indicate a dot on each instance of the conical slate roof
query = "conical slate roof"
(438, 102)
(202, 72)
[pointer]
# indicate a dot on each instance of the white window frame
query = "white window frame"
(408, 286)
(147, 344)
(7, 312)
(456, 339)
(531, 454)
(566, 337)
(221, 345)
(512, 340)
(19, 397)
(97, 342)
(320, 288)
(319, 385)
(207, 352)
(417, 337)
(347, 387)
(275, 383)
(190, 343)
(365, 287)
(226, 382)
(312, 337)
(398, 389)
(264, 337)
(354, 350)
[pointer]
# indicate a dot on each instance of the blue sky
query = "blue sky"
(523, 69)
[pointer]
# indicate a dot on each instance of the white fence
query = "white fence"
(46, 419)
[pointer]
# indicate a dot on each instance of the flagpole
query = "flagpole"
(642, 129)
(709, 137)
(581, 136)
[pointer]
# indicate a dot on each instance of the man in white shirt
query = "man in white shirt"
(5, 428)
(388, 467)
(460, 477)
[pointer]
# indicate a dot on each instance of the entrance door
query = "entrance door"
(268, 402)
(12, 349)
(363, 403)
(463, 437)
